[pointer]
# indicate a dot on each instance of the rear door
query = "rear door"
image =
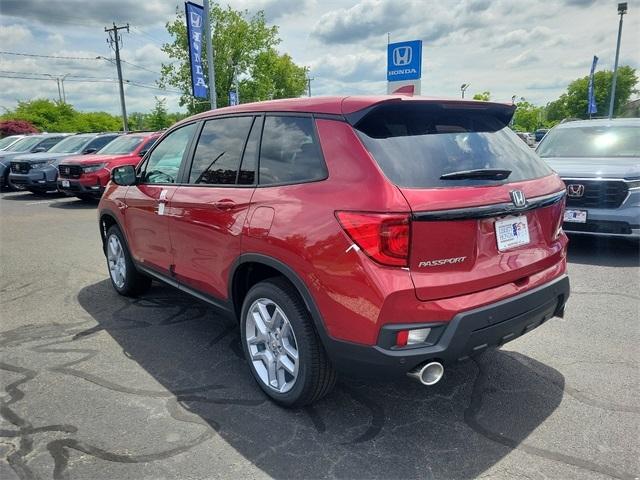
(209, 209)
(472, 228)
(146, 215)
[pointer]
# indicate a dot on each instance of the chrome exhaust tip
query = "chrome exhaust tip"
(428, 374)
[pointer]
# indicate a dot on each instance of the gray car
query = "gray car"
(599, 161)
(28, 144)
(38, 172)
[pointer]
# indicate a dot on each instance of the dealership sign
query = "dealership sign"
(404, 61)
(195, 19)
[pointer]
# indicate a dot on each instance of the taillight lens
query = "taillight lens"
(382, 236)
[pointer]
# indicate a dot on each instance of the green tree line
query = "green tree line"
(573, 103)
(52, 116)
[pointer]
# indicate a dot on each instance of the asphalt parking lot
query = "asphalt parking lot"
(94, 385)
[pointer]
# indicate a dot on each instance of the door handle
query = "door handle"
(224, 204)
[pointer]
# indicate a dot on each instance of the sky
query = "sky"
(531, 49)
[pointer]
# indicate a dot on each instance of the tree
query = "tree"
(16, 127)
(159, 117)
(573, 103)
(528, 117)
(50, 116)
(484, 96)
(244, 49)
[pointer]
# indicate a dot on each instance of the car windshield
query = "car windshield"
(592, 142)
(24, 144)
(69, 145)
(419, 144)
(121, 146)
(7, 141)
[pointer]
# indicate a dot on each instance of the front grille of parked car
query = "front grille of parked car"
(20, 167)
(599, 226)
(597, 193)
(70, 171)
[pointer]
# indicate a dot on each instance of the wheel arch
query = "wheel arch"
(238, 286)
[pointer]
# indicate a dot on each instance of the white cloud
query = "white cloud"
(14, 36)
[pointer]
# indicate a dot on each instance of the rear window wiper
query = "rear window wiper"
(480, 173)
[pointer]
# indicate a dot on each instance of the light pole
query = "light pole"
(463, 88)
(622, 9)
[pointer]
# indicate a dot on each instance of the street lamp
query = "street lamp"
(463, 88)
(622, 9)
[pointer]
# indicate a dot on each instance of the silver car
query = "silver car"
(599, 161)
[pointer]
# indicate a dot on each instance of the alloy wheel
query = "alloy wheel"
(116, 260)
(272, 345)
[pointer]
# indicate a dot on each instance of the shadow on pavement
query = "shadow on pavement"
(75, 204)
(459, 428)
(604, 251)
(25, 196)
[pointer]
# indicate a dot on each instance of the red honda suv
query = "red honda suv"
(86, 177)
(379, 235)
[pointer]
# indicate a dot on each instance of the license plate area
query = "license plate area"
(575, 216)
(65, 183)
(512, 232)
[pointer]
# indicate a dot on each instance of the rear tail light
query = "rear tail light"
(384, 237)
(412, 337)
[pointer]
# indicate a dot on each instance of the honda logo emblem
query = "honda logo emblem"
(402, 56)
(575, 190)
(518, 198)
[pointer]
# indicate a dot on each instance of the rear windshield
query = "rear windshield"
(415, 144)
(592, 142)
(121, 145)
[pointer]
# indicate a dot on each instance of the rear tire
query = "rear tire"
(277, 331)
(125, 278)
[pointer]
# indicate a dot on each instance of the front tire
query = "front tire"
(125, 278)
(281, 346)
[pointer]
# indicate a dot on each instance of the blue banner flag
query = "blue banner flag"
(591, 101)
(404, 61)
(195, 20)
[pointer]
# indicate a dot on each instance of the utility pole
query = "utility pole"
(309, 79)
(622, 9)
(114, 41)
(211, 68)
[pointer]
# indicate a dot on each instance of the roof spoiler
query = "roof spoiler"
(502, 112)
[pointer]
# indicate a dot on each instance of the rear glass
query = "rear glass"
(416, 144)
(592, 142)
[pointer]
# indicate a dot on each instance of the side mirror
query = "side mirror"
(39, 150)
(90, 150)
(124, 175)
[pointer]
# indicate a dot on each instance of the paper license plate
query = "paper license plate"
(65, 183)
(512, 232)
(575, 216)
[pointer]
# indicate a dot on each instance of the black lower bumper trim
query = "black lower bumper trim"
(467, 334)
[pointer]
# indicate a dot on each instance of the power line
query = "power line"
(46, 56)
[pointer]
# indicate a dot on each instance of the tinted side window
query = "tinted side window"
(217, 156)
(290, 152)
(164, 162)
(247, 175)
(100, 142)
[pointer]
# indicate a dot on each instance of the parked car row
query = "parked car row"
(76, 164)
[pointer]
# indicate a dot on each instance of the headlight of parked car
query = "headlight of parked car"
(39, 165)
(93, 168)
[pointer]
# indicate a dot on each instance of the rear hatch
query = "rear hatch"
(485, 210)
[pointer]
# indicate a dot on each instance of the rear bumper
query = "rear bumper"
(468, 333)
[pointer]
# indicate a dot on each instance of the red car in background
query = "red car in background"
(86, 177)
